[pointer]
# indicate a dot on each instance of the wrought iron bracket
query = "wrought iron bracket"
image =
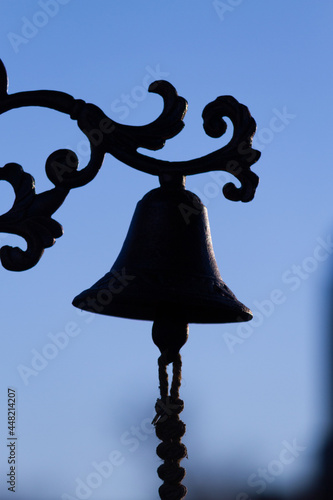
(30, 215)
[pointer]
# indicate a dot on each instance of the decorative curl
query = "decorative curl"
(30, 218)
(121, 141)
(235, 158)
(3, 80)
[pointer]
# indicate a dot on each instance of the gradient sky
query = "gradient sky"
(245, 398)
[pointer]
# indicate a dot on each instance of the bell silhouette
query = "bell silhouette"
(166, 267)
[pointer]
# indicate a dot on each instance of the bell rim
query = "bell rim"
(151, 301)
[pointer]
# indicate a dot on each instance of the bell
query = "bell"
(166, 267)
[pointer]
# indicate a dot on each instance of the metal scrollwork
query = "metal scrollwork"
(30, 215)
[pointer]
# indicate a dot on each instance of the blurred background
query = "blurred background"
(257, 395)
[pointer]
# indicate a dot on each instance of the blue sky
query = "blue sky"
(247, 397)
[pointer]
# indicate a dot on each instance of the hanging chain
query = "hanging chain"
(170, 429)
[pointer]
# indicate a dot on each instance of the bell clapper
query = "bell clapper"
(170, 335)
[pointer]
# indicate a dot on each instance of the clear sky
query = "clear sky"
(249, 393)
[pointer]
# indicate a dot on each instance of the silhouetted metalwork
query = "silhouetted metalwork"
(121, 141)
(166, 267)
(166, 271)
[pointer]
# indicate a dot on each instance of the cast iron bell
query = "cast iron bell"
(166, 271)
(166, 267)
